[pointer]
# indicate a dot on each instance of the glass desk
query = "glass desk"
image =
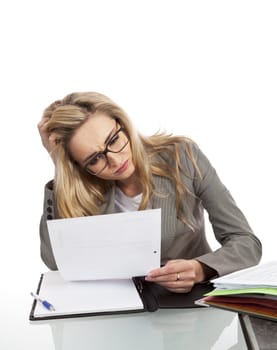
(174, 329)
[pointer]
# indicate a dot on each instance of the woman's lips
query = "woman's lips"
(123, 167)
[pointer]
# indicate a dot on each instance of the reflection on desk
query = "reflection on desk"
(202, 328)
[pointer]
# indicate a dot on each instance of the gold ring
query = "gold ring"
(178, 277)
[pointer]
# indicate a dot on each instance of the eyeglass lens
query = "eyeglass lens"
(116, 144)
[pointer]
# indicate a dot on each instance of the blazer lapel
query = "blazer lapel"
(164, 198)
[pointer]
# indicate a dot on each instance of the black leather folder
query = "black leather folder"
(150, 295)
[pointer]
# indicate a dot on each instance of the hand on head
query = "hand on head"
(48, 140)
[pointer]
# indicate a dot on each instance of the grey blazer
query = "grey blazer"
(240, 248)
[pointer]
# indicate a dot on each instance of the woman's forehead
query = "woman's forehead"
(92, 135)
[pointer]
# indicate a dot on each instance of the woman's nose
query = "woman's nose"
(113, 158)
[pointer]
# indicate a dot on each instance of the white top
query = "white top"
(125, 203)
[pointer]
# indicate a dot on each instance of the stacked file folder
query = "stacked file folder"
(252, 291)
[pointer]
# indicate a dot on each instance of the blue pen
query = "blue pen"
(45, 303)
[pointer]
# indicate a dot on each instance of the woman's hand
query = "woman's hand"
(178, 276)
(49, 141)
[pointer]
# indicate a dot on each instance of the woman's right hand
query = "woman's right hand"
(48, 140)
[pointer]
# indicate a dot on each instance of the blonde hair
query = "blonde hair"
(78, 193)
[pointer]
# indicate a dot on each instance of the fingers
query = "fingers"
(42, 122)
(180, 286)
(179, 290)
(177, 276)
(48, 140)
(42, 128)
(179, 280)
(170, 271)
(42, 125)
(165, 277)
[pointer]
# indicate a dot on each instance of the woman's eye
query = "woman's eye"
(95, 159)
(113, 140)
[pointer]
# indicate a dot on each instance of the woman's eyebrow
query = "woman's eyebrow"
(109, 136)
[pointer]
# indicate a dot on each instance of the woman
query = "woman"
(103, 165)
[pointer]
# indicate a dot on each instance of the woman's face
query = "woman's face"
(92, 138)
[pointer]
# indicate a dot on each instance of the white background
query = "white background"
(204, 69)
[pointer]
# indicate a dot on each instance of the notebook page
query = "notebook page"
(69, 298)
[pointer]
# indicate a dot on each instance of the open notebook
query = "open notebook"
(72, 299)
(90, 298)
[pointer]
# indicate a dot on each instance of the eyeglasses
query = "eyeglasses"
(96, 164)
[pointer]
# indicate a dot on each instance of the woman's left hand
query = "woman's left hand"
(178, 276)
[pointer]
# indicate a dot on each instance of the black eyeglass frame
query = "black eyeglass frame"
(104, 153)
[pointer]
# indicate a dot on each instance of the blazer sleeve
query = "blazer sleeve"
(48, 214)
(240, 248)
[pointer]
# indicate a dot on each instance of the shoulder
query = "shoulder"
(178, 152)
(183, 150)
(177, 145)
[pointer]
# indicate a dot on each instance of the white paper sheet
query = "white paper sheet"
(259, 276)
(112, 246)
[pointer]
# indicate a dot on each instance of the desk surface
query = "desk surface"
(201, 328)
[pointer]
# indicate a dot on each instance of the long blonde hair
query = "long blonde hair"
(78, 193)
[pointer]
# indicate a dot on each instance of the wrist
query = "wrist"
(199, 271)
(203, 272)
